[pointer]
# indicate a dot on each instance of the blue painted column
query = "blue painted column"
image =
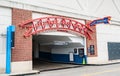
(9, 40)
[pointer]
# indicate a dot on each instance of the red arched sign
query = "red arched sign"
(55, 23)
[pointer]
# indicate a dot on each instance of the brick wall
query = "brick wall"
(93, 41)
(23, 46)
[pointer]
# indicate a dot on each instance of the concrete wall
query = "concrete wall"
(5, 20)
(105, 33)
(44, 48)
(55, 6)
(63, 50)
(35, 48)
(47, 48)
(84, 9)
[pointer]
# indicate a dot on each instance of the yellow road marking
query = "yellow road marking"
(97, 73)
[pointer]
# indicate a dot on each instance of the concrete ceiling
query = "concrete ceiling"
(56, 41)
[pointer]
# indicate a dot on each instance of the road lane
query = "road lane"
(106, 70)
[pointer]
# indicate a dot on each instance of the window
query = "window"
(92, 51)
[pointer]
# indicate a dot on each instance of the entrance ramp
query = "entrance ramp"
(49, 66)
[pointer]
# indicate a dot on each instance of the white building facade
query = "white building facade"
(106, 39)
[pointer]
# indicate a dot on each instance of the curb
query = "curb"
(61, 68)
(102, 64)
(24, 73)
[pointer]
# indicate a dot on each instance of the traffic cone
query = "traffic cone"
(83, 62)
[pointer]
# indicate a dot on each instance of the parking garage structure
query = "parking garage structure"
(35, 33)
(63, 43)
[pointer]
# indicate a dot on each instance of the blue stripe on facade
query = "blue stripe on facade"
(61, 58)
(45, 55)
(79, 60)
(10, 29)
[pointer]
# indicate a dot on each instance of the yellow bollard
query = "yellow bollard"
(83, 62)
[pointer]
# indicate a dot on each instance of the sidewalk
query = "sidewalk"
(20, 73)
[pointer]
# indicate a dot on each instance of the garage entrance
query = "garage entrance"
(59, 47)
(52, 50)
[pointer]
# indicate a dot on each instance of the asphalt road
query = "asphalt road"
(104, 70)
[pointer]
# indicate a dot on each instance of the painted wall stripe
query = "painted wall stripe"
(62, 58)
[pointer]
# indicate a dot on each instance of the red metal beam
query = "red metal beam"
(55, 23)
